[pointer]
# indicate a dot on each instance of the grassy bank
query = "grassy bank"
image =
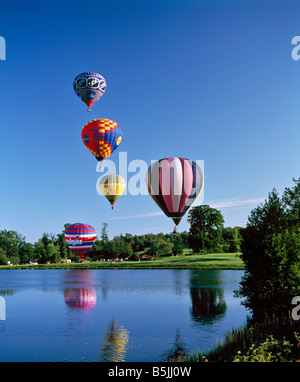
(207, 261)
(275, 340)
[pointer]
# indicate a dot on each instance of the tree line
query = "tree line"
(206, 234)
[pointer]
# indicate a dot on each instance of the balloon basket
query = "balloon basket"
(89, 109)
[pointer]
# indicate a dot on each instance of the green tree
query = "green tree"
(185, 237)
(104, 234)
(154, 248)
(160, 247)
(128, 238)
(96, 253)
(64, 249)
(138, 243)
(120, 248)
(27, 253)
(271, 254)
(116, 247)
(11, 241)
(40, 252)
(3, 257)
(45, 249)
(165, 247)
(206, 226)
(62, 245)
(46, 239)
(106, 244)
(177, 242)
(232, 239)
(52, 253)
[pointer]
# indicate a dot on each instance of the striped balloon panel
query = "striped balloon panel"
(101, 137)
(80, 238)
(174, 184)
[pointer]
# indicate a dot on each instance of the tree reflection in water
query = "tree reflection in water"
(113, 346)
(208, 304)
(177, 352)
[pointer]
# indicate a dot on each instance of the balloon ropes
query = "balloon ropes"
(174, 184)
(80, 238)
(112, 187)
(89, 87)
(101, 137)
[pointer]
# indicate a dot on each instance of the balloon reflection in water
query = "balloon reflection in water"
(114, 343)
(81, 298)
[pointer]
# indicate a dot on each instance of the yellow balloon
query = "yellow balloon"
(112, 187)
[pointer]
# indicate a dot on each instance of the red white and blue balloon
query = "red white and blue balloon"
(80, 238)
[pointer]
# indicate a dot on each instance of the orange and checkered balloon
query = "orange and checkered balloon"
(101, 137)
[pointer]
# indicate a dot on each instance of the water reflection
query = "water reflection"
(62, 315)
(83, 298)
(178, 350)
(7, 292)
(208, 303)
(113, 346)
(178, 279)
(79, 276)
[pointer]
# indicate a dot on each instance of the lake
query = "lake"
(115, 315)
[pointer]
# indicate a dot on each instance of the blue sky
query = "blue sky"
(206, 80)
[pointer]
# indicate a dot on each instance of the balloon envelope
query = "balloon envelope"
(112, 187)
(174, 184)
(101, 137)
(80, 238)
(89, 87)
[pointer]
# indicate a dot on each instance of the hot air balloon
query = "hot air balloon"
(89, 87)
(174, 184)
(80, 238)
(101, 137)
(112, 187)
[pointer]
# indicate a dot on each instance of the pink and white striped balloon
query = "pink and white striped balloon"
(174, 184)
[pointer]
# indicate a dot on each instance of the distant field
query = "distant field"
(208, 261)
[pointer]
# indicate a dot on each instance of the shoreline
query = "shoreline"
(211, 261)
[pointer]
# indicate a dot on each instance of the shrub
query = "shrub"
(271, 350)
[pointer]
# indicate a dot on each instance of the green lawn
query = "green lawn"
(207, 261)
